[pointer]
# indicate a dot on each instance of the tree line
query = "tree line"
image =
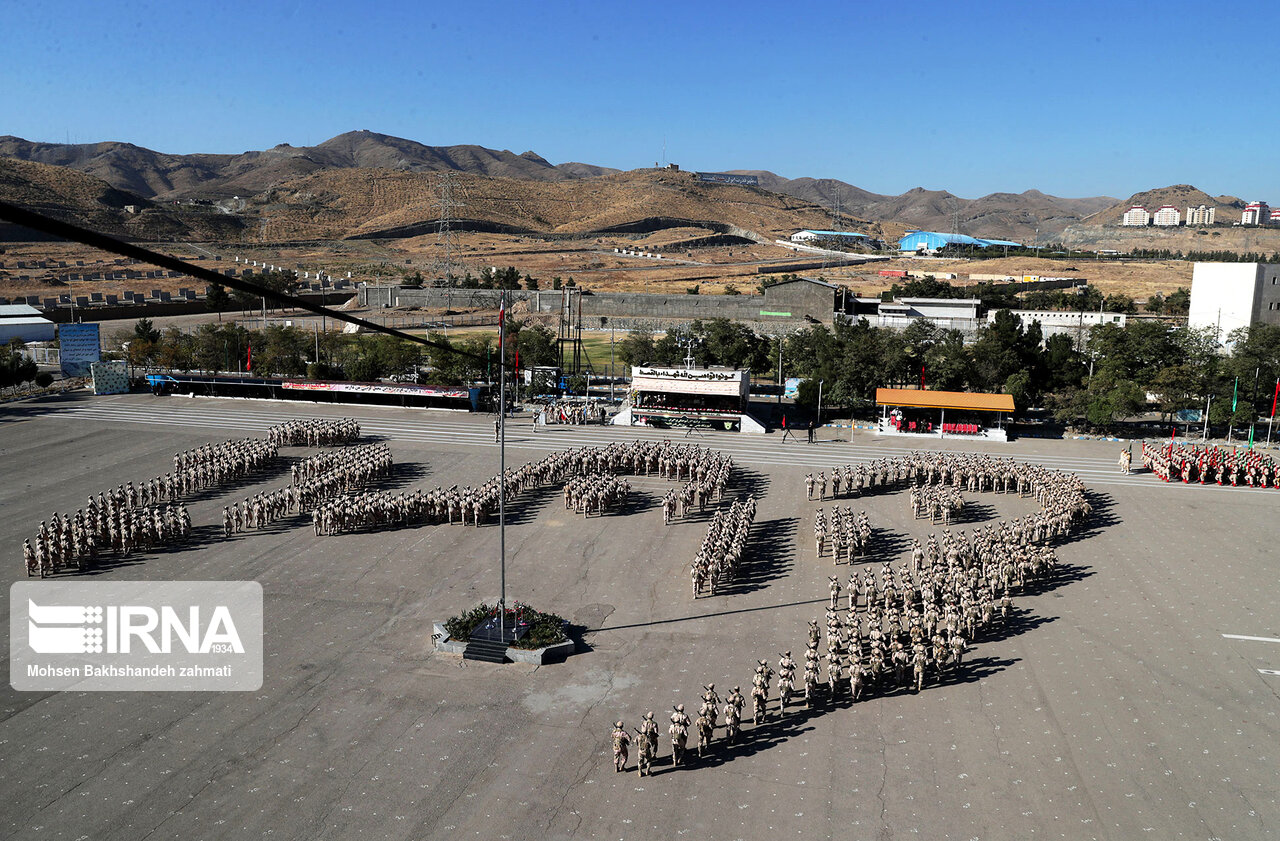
(1105, 375)
(1110, 373)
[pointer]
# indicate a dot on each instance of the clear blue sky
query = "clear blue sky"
(1072, 98)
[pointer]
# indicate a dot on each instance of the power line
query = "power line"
(65, 230)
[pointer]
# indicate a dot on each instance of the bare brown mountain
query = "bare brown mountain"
(1015, 216)
(381, 202)
(1180, 196)
(164, 176)
(82, 199)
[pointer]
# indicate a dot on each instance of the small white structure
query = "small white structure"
(1167, 216)
(1136, 217)
(810, 236)
(1226, 296)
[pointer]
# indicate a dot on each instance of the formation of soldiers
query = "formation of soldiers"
(906, 626)
(107, 523)
(848, 535)
(260, 510)
(1210, 464)
(594, 492)
(973, 472)
(939, 502)
(314, 432)
(720, 556)
(897, 631)
(708, 473)
(135, 517)
(374, 509)
(212, 465)
(339, 471)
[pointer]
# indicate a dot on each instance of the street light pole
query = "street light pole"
(779, 369)
(820, 402)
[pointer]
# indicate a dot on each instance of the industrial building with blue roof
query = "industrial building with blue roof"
(931, 241)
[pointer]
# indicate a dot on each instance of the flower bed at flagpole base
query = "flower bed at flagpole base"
(538, 636)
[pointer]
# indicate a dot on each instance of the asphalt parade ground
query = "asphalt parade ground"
(1134, 695)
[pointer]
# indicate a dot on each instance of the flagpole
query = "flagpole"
(1235, 399)
(1272, 419)
(502, 468)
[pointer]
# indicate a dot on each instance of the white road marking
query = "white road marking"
(1254, 639)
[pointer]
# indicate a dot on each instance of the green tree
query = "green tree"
(537, 346)
(1178, 302)
(217, 299)
(636, 349)
(144, 330)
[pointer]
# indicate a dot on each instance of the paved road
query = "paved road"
(1114, 707)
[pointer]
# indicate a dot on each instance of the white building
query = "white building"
(1167, 217)
(1257, 213)
(834, 236)
(1136, 217)
(947, 313)
(1074, 324)
(1275, 216)
(1201, 215)
(1226, 296)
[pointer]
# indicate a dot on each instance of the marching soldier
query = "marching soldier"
(621, 739)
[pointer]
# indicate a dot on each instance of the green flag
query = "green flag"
(1251, 436)
(1235, 394)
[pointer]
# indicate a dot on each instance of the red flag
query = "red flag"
(502, 310)
(1273, 399)
(922, 388)
(248, 365)
(1172, 433)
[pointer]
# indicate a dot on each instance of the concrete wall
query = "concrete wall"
(801, 298)
(625, 305)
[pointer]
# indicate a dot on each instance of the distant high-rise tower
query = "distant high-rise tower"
(1257, 213)
(1201, 215)
(1136, 216)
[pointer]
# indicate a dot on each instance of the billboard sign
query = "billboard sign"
(792, 388)
(381, 388)
(729, 178)
(78, 348)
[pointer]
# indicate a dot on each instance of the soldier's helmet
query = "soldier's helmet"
(649, 714)
(679, 708)
(618, 724)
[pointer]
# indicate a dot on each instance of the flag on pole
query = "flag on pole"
(1251, 436)
(502, 310)
(922, 388)
(1235, 394)
(248, 363)
(1276, 397)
